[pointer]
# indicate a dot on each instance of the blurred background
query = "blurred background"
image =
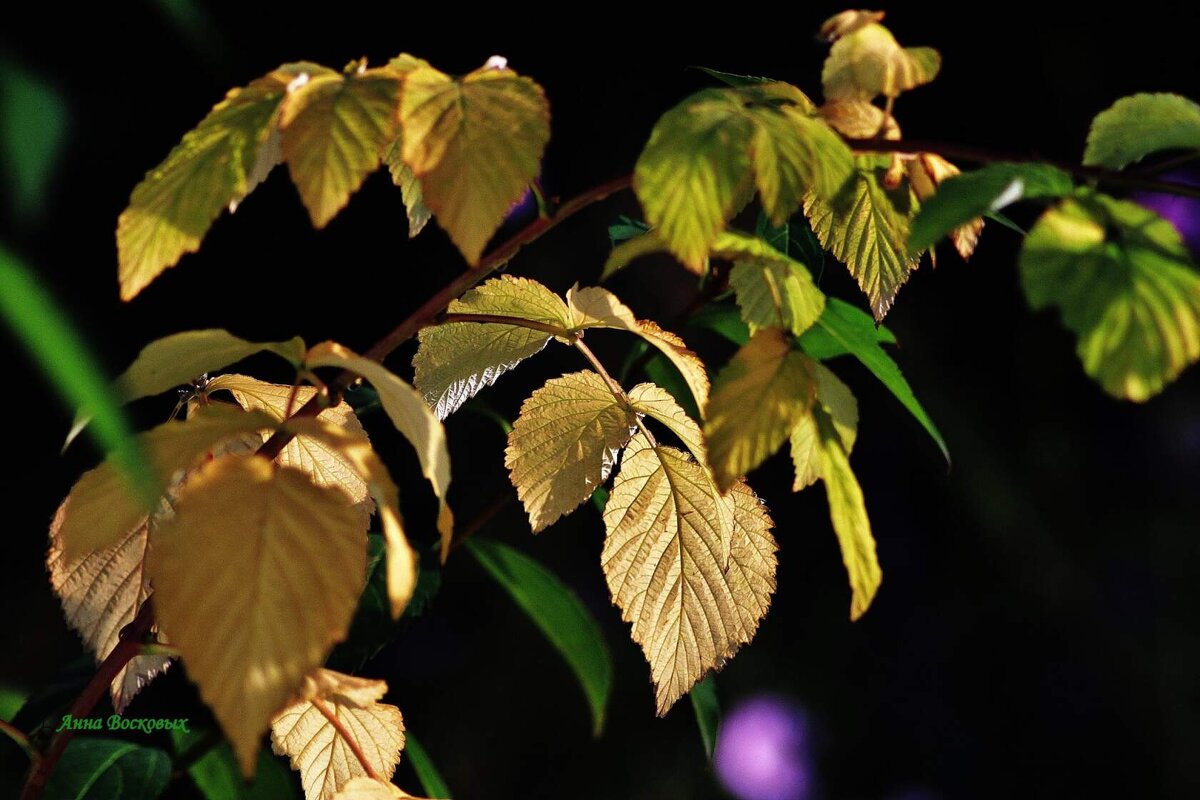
(1037, 631)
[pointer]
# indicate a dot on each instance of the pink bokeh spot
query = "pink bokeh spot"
(762, 751)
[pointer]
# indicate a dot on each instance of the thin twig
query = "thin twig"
(127, 647)
(983, 155)
(347, 737)
(18, 736)
(613, 386)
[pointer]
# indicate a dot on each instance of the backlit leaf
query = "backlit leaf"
(411, 416)
(757, 399)
(317, 749)
(335, 128)
(1126, 285)
(848, 512)
(690, 607)
(776, 291)
(558, 614)
(866, 228)
(410, 188)
(866, 61)
(656, 403)
(100, 512)
(838, 403)
(564, 444)
(1141, 124)
(859, 119)
(475, 144)
(214, 167)
(256, 576)
(457, 360)
(926, 172)
(965, 197)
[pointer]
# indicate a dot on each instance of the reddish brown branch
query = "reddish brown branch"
(127, 647)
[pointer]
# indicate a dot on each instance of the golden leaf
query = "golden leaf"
(859, 119)
(101, 509)
(410, 188)
(691, 609)
(564, 443)
(370, 789)
(657, 403)
(595, 307)
(475, 144)
(866, 61)
(318, 749)
(408, 412)
(335, 128)
(926, 172)
(256, 577)
(457, 360)
(835, 398)
(760, 395)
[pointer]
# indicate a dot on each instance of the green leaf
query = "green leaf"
(558, 613)
(776, 291)
(102, 769)
(795, 239)
(705, 154)
(730, 79)
(757, 399)
(33, 128)
(60, 352)
(217, 776)
(727, 321)
(848, 512)
(427, 773)
(475, 144)
(335, 128)
(11, 701)
(866, 228)
(708, 712)
(1141, 124)
(973, 194)
(215, 166)
(853, 333)
(625, 228)
(634, 246)
(176, 359)
(1126, 286)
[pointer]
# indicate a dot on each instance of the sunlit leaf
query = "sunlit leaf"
(100, 513)
(564, 444)
(866, 61)
(838, 403)
(1125, 284)
(757, 399)
(456, 360)
(411, 416)
(335, 128)
(926, 172)
(475, 144)
(859, 119)
(1136, 126)
(965, 197)
(256, 576)
(866, 228)
(317, 749)
(691, 608)
(656, 403)
(370, 789)
(94, 768)
(558, 614)
(776, 291)
(848, 512)
(214, 167)
(410, 188)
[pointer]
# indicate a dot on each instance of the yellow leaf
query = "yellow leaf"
(564, 443)
(101, 510)
(326, 466)
(926, 172)
(370, 789)
(320, 752)
(408, 412)
(847, 22)
(866, 61)
(101, 593)
(691, 609)
(595, 307)
(775, 291)
(456, 360)
(835, 398)
(859, 119)
(475, 144)
(848, 511)
(214, 167)
(335, 128)
(657, 403)
(410, 188)
(256, 577)
(356, 451)
(757, 399)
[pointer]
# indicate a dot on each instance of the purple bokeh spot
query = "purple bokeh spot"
(522, 209)
(1182, 212)
(762, 751)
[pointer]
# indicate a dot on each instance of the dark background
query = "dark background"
(1036, 631)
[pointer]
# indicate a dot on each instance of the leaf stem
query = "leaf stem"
(436, 304)
(18, 736)
(128, 646)
(983, 155)
(500, 319)
(613, 386)
(348, 737)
